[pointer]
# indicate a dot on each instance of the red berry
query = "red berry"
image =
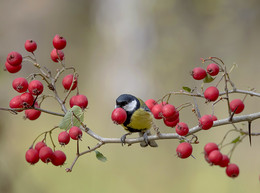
(170, 123)
(57, 55)
(198, 73)
(75, 133)
(184, 150)
(150, 103)
(237, 105)
(211, 93)
(215, 157)
(46, 154)
(12, 69)
(157, 111)
(32, 156)
(119, 116)
(64, 138)
(206, 122)
(27, 99)
(16, 103)
(59, 42)
(224, 162)
(79, 100)
(33, 114)
(68, 80)
(39, 145)
(214, 118)
(20, 84)
(232, 170)
(35, 87)
(182, 129)
(209, 147)
(30, 45)
(59, 158)
(168, 111)
(213, 69)
(14, 59)
(174, 117)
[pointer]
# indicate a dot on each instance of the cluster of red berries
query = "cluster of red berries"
(212, 92)
(29, 94)
(165, 111)
(213, 156)
(27, 98)
(30, 91)
(46, 154)
(14, 59)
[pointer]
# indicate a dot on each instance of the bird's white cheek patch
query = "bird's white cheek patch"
(130, 106)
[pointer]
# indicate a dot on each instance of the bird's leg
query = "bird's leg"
(145, 136)
(123, 138)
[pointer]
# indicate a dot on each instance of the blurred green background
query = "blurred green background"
(146, 48)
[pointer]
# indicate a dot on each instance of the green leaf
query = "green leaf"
(186, 88)
(70, 120)
(181, 141)
(100, 156)
(236, 140)
(208, 79)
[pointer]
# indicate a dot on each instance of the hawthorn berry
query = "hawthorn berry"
(58, 158)
(64, 138)
(27, 99)
(211, 93)
(46, 154)
(68, 80)
(232, 170)
(32, 156)
(198, 73)
(182, 129)
(30, 45)
(213, 69)
(75, 133)
(174, 117)
(224, 162)
(184, 150)
(206, 122)
(209, 147)
(12, 69)
(14, 58)
(16, 103)
(214, 118)
(35, 87)
(39, 145)
(171, 123)
(32, 114)
(150, 103)
(215, 157)
(237, 105)
(79, 100)
(57, 55)
(119, 116)
(168, 111)
(20, 84)
(157, 111)
(59, 42)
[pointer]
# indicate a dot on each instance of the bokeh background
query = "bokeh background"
(146, 48)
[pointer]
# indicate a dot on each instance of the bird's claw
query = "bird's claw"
(123, 138)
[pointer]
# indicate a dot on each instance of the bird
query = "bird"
(139, 118)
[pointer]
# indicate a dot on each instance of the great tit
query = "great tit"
(139, 118)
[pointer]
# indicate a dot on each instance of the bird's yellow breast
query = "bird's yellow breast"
(140, 120)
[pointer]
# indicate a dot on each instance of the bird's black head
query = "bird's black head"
(128, 102)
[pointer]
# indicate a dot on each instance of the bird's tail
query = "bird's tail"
(152, 143)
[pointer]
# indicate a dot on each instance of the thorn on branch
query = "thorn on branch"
(249, 133)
